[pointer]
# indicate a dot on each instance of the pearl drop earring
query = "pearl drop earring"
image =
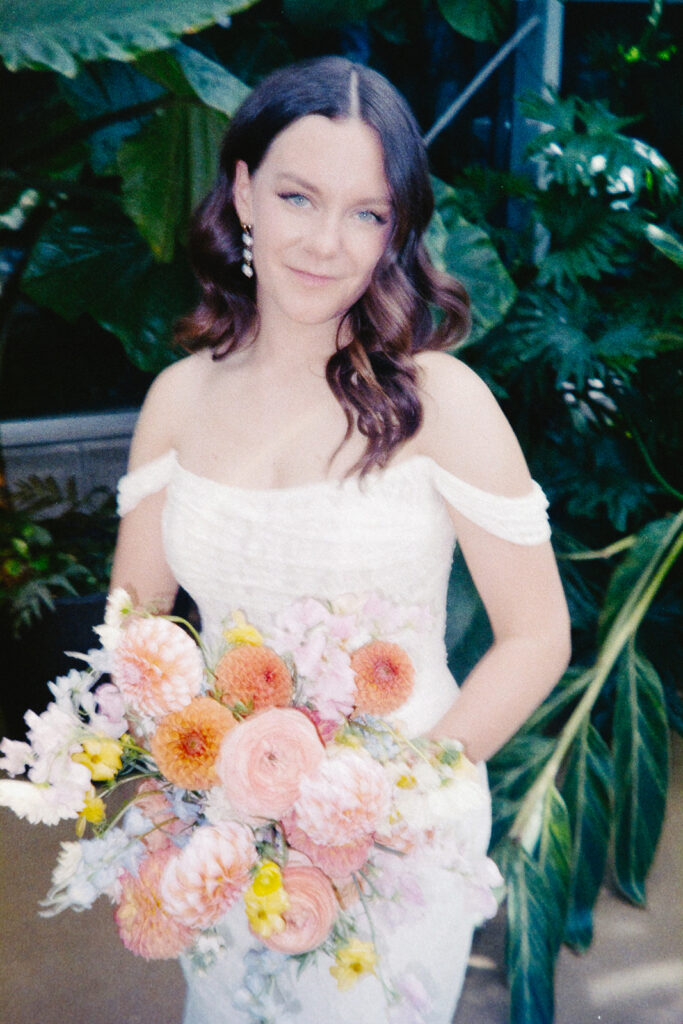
(247, 251)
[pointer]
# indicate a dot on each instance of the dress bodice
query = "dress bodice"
(259, 550)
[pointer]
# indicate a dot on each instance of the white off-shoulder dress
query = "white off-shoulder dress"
(260, 550)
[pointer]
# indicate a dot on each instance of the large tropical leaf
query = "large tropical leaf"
(534, 921)
(641, 763)
(481, 20)
(167, 168)
(185, 71)
(512, 771)
(466, 251)
(59, 34)
(587, 791)
(102, 267)
(648, 549)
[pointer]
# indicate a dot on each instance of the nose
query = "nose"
(324, 238)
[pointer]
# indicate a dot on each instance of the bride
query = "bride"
(316, 442)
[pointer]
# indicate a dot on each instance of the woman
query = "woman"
(315, 443)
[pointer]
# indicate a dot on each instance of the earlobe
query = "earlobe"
(241, 191)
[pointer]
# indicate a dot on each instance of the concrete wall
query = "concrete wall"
(92, 448)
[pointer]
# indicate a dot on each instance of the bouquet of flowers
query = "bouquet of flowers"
(269, 776)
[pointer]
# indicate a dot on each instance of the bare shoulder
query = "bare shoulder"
(167, 406)
(464, 428)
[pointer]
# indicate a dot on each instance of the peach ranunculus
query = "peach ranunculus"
(338, 862)
(312, 911)
(157, 667)
(385, 676)
(186, 743)
(263, 760)
(208, 875)
(144, 924)
(253, 676)
(344, 801)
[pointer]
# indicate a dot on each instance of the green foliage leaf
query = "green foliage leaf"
(645, 552)
(328, 12)
(641, 763)
(57, 35)
(511, 773)
(186, 72)
(534, 921)
(466, 251)
(108, 88)
(100, 265)
(583, 149)
(587, 790)
(167, 168)
(666, 242)
(481, 20)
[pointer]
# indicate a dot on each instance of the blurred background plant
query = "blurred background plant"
(574, 266)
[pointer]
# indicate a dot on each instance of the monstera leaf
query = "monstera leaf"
(57, 35)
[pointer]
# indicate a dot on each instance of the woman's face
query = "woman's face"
(321, 216)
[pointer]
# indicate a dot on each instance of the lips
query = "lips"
(310, 278)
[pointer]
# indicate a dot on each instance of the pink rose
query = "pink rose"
(263, 760)
(312, 911)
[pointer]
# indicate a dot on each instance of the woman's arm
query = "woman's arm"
(140, 565)
(466, 432)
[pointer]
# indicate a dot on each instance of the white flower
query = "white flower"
(40, 804)
(119, 605)
(69, 690)
(16, 756)
(598, 164)
(552, 149)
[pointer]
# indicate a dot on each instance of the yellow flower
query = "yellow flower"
(242, 632)
(354, 960)
(406, 782)
(101, 756)
(266, 900)
(93, 810)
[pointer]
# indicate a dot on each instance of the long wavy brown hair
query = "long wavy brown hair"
(374, 376)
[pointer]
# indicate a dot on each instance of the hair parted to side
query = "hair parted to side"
(374, 377)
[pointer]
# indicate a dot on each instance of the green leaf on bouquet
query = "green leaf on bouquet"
(59, 35)
(641, 765)
(466, 251)
(167, 168)
(587, 790)
(534, 921)
(101, 266)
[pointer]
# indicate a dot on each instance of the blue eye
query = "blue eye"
(295, 198)
(370, 217)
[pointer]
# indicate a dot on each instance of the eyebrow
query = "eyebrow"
(383, 200)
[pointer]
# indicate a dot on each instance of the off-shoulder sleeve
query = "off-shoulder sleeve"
(522, 520)
(145, 480)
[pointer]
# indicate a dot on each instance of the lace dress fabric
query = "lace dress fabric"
(260, 550)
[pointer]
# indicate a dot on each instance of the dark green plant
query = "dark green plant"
(53, 543)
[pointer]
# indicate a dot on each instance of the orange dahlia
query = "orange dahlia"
(186, 743)
(384, 677)
(255, 677)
